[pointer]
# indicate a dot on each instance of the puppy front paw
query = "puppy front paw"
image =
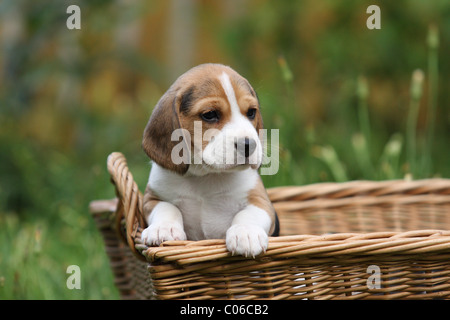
(246, 240)
(155, 234)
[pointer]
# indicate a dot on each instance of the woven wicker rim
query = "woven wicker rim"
(403, 243)
(129, 207)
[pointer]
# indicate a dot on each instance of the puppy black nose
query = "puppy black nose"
(245, 146)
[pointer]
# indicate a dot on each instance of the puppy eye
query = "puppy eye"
(251, 113)
(210, 116)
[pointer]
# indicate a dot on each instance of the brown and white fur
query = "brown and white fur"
(210, 198)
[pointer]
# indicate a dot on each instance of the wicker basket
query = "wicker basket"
(354, 240)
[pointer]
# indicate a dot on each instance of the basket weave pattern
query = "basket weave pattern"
(354, 240)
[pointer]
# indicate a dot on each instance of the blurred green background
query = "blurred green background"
(341, 95)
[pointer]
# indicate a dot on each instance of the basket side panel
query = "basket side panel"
(130, 274)
(345, 278)
(361, 217)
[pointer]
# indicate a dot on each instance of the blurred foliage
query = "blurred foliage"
(70, 97)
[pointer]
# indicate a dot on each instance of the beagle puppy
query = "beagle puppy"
(203, 140)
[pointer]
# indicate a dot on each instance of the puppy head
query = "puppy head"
(219, 116)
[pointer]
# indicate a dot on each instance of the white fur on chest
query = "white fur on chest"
(208, 203)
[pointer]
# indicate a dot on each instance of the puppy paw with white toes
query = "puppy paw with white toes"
(246, 240)
(155, 234)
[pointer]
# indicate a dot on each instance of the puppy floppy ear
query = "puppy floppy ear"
(156, 141)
